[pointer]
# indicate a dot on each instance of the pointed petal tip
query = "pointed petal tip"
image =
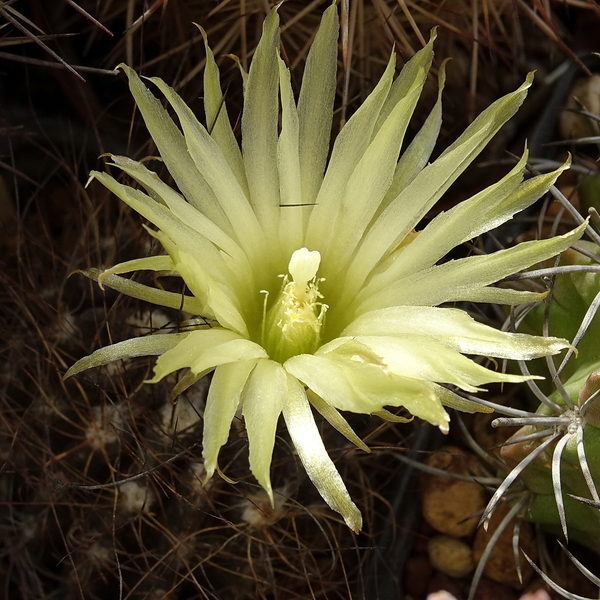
(353, 519)
(444, 423)
(528, 81)
(70, 372)
(201, 29)
(91, 177)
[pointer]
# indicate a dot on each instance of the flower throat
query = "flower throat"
(293, 324)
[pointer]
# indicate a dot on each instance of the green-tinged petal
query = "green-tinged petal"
(335, 419)
(205, 349)
(450, 229)
(225, 353)
(391, 390)
(498, 202)
(168, 222)
(242, 70)
(452, 400)
(405, 212)
(262, 402)
(328, 380)
(370, 180)
(210, 161)
(350, 146)
(497, 295)
(411, 72)
(149, 263)
(223, 400)
(365, 388)
(173, 150)
(140, 291)
(386, 415)
(291, 218)
(315, 105)
(217, 120)
(416, 156)
(416, 357)
(260, 119)
(185, 212)
(151, 345)
(217, 300)
(309, 445)
(452, 281)
(455, 329)
(184, 383)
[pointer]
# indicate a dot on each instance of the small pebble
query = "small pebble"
(451, 506)
(450, 555)
(585, 93)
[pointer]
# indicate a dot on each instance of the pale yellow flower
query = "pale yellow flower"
(317, 289)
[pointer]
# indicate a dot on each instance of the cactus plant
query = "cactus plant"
(556, 451)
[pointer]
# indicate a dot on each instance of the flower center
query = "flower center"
(293, 324)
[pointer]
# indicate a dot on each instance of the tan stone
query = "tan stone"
(585, 94)
(450, 555)
(451, 506)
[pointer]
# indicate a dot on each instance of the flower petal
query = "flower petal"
(416, 156)
(223, 400)
(260, 119)
(151, 345)
(315, 105)
(451, 281)
(455, 329)
(213, 165)
(173, 150)
(365, 388)
(497, 295)
(417, 357)
(292, 212)
(335, 419)
(148, 263)
(205, 349)
(452, 400)
(405, 212)
(262, 402)
(349, 147)
(411, 72)
(309, 445)
(217, 120)
(137, 290)
(220, 301)
(328, 380)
